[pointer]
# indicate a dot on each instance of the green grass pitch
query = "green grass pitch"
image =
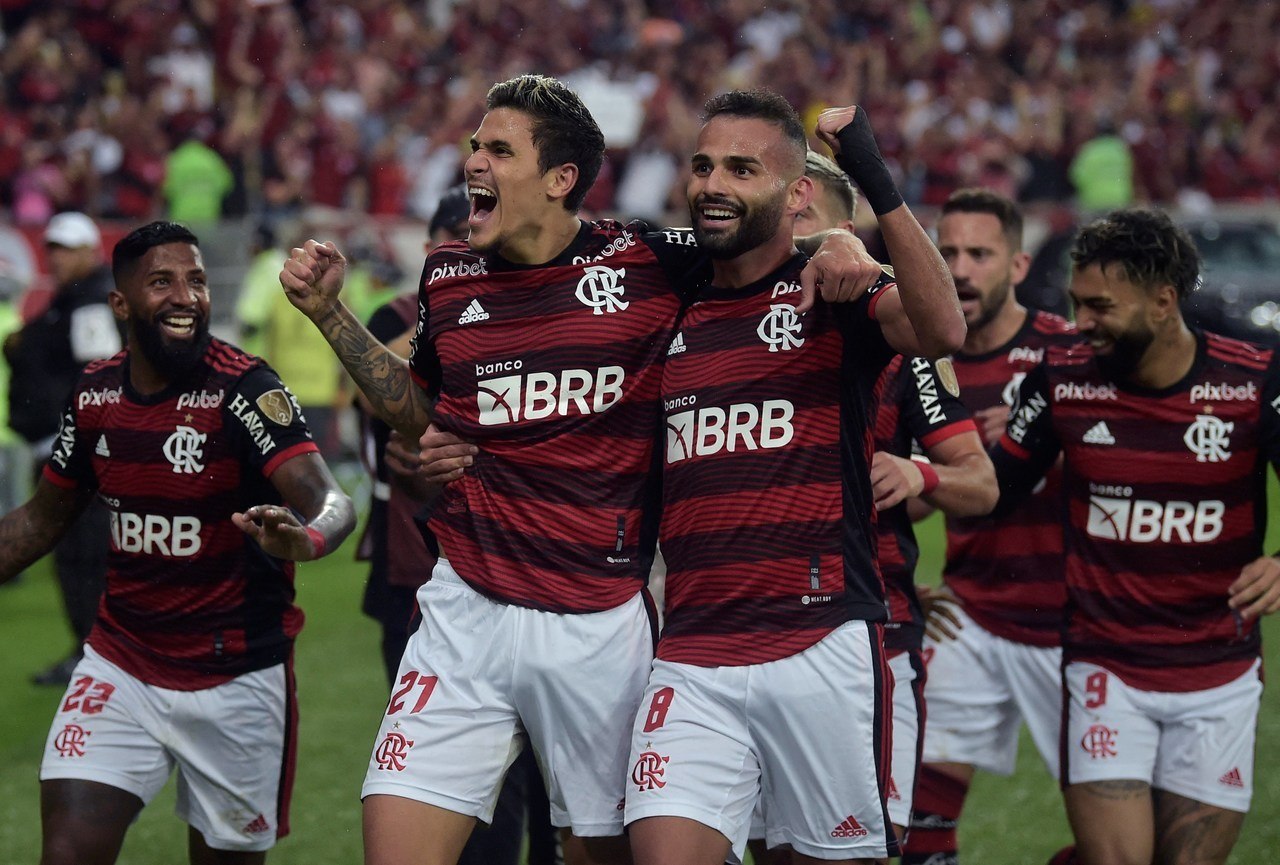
(1008, 821)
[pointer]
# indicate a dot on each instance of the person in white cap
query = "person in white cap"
(46, 357)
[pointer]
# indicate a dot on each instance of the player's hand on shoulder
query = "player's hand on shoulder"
(312, 276)
(841, 270)
(1257, 590)
(991, 423)
(940, 619)
(443, 456)
(894, 480)
(277, 531)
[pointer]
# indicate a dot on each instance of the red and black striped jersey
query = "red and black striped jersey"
(554, 372)
(1008, 571)
(191, 601)
(919, 406)
(1166, 497)
(768, 522)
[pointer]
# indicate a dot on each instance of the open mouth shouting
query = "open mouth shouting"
(484, 202)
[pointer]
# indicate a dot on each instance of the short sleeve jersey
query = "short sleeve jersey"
(768, 523)
(1166, 497)
(554, 371)
(191, 601)
(920, 407)
(1007, 571)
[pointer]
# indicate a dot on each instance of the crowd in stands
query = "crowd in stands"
(127, 109)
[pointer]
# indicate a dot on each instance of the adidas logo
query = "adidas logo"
(1232, 779)
(850, 828)
(474, 312)
(257, 826)
(1098, 434)
(102, 450)
(677, 344)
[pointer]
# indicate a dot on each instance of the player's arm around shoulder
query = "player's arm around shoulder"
(923, 316)
(31, 530)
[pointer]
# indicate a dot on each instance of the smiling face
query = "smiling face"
(512, 198)
(745, 186)
(1115, 316)
(983, 263)
(165, 302)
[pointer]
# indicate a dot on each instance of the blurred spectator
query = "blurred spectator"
(367, 106)
(196, 180)
(1102, 171)
(46, 357)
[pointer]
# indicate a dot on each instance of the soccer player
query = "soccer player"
(540, 339)
(919, 408)
(993, 655)
(773, 598)
(214, 488)
(1166, 432)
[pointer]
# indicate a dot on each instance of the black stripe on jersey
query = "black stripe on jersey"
(1198, 655)
(756, 615)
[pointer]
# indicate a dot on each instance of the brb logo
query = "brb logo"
(152, 534)
(1208, 438)
(648, 771)
(742, 426)
(601, 289)
(1140, 521)
(780, 328)
(185, 449)
(538, 395)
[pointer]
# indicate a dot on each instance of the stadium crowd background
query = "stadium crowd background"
(366, 106)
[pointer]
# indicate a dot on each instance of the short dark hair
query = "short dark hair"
(563, 129)
(134, 245)
(1145, 242)
(975, 199)
(761, 104)
(829, 178)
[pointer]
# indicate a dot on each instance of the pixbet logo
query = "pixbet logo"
(1140, 521)
(1086, 391)
(99, 397)
(1209, 392)
(203, 399)
(539, 395)
(741, 426)
(449, 271)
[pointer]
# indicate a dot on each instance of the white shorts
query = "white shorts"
(1197, 744)
(981, 688)
(807, 735)
(233, 746)
(908, 732)
(479, 675)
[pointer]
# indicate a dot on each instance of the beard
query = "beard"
(755, 226)
(1127, 350)
(990, 305)
(173, 358)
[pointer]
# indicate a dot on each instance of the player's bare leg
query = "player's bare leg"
(1189, 832)
(202, 854)
(1113, 822)
(83, 822)
(399, 831)
(677, 841)
(610, 850)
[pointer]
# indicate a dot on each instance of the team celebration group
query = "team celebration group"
(763, 407)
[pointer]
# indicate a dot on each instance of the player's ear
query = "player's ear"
(1166, 302)
(119, 306)
(561, 180)
(800, 194)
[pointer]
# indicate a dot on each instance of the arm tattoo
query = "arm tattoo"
(382, 376)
